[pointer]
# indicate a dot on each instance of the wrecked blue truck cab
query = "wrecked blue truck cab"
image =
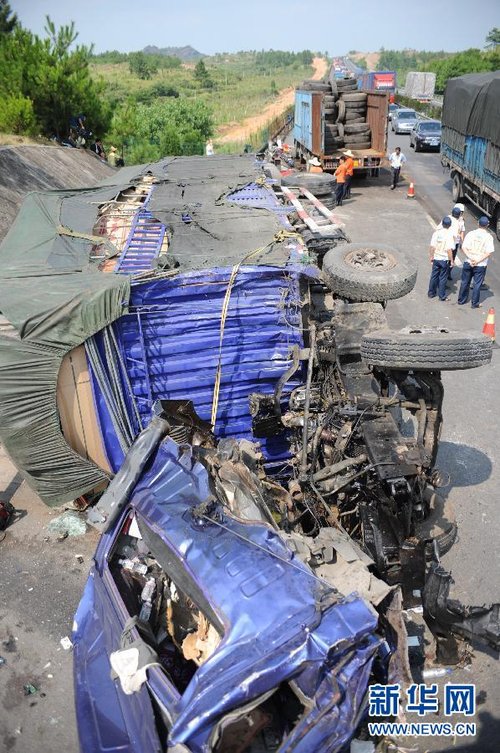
(277, 657)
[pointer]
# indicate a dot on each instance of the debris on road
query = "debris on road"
(68, 524)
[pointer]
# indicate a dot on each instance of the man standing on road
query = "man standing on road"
(441, 256)
(349, 162)
(477, 247)
(340, 176)
(458, 227)
(396, 160)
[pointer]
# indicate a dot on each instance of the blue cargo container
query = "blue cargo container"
(470, 141)
(309, 131)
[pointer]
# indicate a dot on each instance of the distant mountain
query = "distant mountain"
(184, 53)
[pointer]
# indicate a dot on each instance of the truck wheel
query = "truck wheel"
(456, 189)
(362, 273)
(426, 349)
(341, 114)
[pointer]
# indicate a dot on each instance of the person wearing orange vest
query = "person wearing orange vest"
(315, 165)
(349, 173)
(340, 176)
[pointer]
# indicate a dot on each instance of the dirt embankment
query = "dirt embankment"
(25, 168)
(371, 58)
(242, 131)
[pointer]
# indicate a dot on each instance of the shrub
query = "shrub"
(17, 116)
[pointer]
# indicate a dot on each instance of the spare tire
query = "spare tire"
(354, 97)
(316, 183)
(358, 138)
(349, 88)
(349, 81)
(349, 144)
(352, 106)
(426, 349)
(362, 273)
(357, 128)
(341, 114)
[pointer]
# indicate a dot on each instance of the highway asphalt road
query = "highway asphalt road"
(469, 445)
(41, 578)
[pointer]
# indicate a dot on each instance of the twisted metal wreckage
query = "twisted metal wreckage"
(271, 445)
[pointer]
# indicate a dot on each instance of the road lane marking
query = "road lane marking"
(430, 221)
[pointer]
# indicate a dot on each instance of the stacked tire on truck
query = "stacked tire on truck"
(345, 113)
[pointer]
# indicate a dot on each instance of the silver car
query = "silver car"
(403, 121)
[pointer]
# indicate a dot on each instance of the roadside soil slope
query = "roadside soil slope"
(242, 131)
(32, 167)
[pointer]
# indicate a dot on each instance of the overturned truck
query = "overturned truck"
(256, 446)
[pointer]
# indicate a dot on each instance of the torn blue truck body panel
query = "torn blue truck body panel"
(169, 346)
(274, 626)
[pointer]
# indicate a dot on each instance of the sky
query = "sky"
(333, 26)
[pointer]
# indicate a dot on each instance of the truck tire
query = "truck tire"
(355, 107)
(348, 89)
(332, 111)
(317, 183)
(358, 138)
(354, 117)
(333, 145)
(331, 129)
(341, 113)
(355, 145)
(426, 349)
(357, 128)
(362, 273)
(341, 128)
(329, 100)
(354, 97)
(457, 188)
(343, 82)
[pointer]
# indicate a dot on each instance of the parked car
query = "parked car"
(426, 135)
(392, 109)
(403, 121)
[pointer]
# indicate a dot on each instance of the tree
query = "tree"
(202, 75)
(361, 63)
(53, 75)
(168, 126)
(493, 38)
(8, 19)
(141, 65)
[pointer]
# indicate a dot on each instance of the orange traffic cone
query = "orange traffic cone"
(411, 191)
(489, 325)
